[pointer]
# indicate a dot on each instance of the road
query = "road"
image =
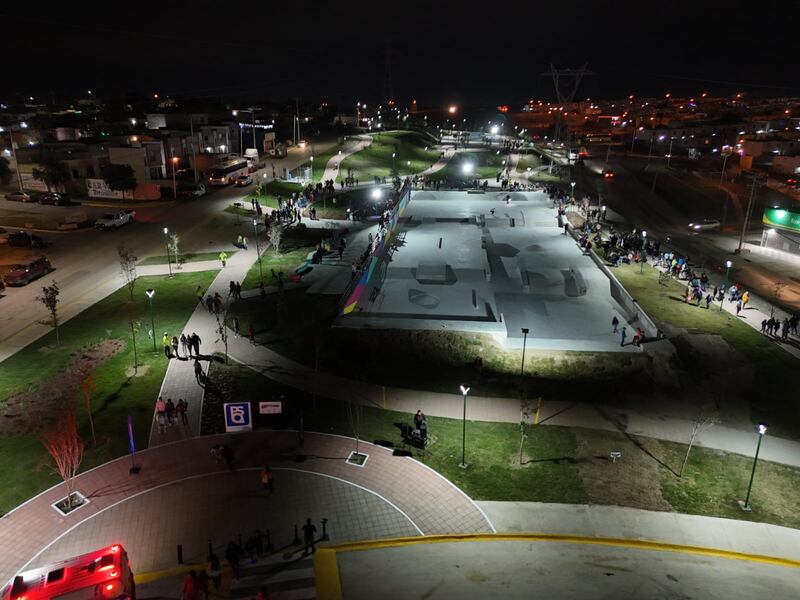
(86, 262)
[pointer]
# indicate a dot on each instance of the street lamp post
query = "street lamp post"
(728, 265)
(169, 257)
(669, 154)
(312, 168)
(258, 251)
(175, 160)
(642, 254)
(150, 293)
(572, 193)
(464, 392)
(761, 428)
(525, 332)
(14, 154)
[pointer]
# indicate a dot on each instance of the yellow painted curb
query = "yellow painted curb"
(326, 575)
(566, 539)
(151, 576)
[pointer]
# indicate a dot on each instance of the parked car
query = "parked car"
(26, 271)
(189, 192)
(243, 181)
(19, 197)
(705, 225)
(114, 220)
(56, 198)
(24, 239)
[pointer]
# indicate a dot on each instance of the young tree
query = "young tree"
(525, 411)
(700, 423)
(87, 387)
(50, 300)
(275, 234)
(173, 245)
(135, 325)
(119, 178)
(354, 416)
(52, 173)
(222, 329)
(65, 446)
(127, 265)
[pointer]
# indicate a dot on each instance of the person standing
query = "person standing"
(187, 350)
(198, 371)
(183, 408)
(189, 591)
(199, 293)
(214, 570)
(161, 415)
(308, 536)
(738, 306)
(266, 478)
(232, 556)
(623, 334)
(223, 258)
(170, 412)
(236, 326)
(175, 346)
(196, 343)
(615, 323)
(251, 333)
(167, 345)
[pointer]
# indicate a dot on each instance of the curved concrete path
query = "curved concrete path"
(427, 501)
(333, 167)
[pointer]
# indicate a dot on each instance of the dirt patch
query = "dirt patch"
(27, 411)
(633, 480)
(140, 372)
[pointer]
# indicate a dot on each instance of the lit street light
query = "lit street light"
(761, 429)
(175, 160)
(376, 194)
(393, 155)
(728, 265)
(258, 252)
(312, 168)
(150, 293)
(464, 392)
(169, 258)
(642, 254)
(572, 185)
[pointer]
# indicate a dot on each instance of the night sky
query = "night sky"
(465, 52)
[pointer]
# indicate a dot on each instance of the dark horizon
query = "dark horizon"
(472, 54)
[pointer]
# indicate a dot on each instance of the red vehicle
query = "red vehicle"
(100, 575)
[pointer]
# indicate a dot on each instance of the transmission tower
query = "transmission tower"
(565, 82)
(388, 91)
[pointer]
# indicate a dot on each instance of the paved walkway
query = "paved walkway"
(142, 509)
(637, 524)
(333, 168)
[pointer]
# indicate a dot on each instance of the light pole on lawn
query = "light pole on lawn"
(642, 254)
(258, 251)
(525, 332)
(150, 293)
(312, 168)
(761, 429)
(728, 265)
(169, 258)
(464, 392)
(572, 193)
(175, 161)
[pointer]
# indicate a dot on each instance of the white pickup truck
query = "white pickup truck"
(114, 220)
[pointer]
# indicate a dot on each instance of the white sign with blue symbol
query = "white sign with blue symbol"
(237, 417)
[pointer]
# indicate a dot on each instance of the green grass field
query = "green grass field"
(184, 258)
(559, 464)
(484, 165)
(773, 367)
(295, 246)
(376, 160)
(118, 393)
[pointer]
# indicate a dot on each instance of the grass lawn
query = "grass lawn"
(773, 368)
(184, 258)
(492, 448)
(117, 394)
(485, 165)
(450, 357)
(559, 464)
(376, 160)
(295, 246)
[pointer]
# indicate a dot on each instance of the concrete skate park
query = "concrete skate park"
(474, 262)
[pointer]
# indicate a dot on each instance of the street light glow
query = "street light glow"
(452, 109)
(166, 231)
(761, 428)
(467, 168)
(728, 264)
(150, 293)
(376, 194)
(464, 390)
(495, 129)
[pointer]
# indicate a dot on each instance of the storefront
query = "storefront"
(781, 230)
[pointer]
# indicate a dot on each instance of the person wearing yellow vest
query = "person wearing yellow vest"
(223, 258)
(167, 343)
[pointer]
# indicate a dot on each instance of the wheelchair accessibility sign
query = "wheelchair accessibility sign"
(237, 417)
